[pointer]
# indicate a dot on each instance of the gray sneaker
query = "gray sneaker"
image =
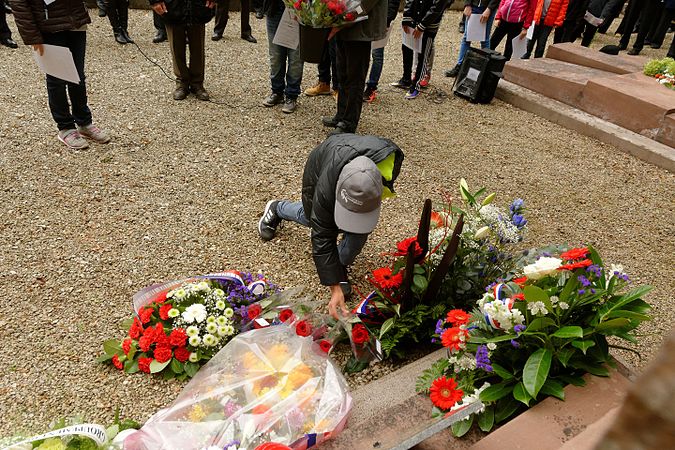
(273, 99)
(290, 105)
(72, 139)
(94, 133)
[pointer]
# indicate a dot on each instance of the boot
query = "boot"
(115, 23)
(101, 8)
(124, 21)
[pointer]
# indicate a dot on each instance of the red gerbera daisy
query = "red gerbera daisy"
(453, 338)
(444, 393)
(576, 265)
(520, 281)
(438, 220)
(402, 247)
(385, 279)
(575, 254)
(519, 296)
(458, 317)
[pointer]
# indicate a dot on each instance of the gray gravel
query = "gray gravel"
(179, 190)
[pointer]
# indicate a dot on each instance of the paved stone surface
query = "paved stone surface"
(574, 53)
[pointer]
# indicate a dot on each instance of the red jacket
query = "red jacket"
(555, 15)
(516, 11)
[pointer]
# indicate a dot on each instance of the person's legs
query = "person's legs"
(423, 58)
(649, 14)
(512, 31)
(498, 34)
(356, 58)
(176, 35)
(220, 21)
(463, 48)
(350, 246)
(293, 73)
(488, 30)
(377, 56)
(541, 42)
(589, 34)
(195, 34)
(408, 56)
(112, 9)
(77, 44)
(123, 11)
(332, 53)
(671, 51)
(630, 19)
(5, 32)
(277, 54)
(245, 17)
(532, 42)
(658, 34)
(341, 58)
(323, 67)
(57, 88)
(292, 211)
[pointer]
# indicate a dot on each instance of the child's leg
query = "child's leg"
(77, 44)
(376, 68)
(512, 31)
(423, 57)
(498, 34)
(542, 40)
(407, 62)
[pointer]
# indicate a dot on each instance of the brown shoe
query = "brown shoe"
(180, 93)
(201, 93)
(319, 88)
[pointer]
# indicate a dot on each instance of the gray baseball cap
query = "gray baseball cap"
(358, 196)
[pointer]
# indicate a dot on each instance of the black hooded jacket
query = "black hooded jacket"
(319, 182)
(186, 12)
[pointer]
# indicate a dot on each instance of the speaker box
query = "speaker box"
(478, 75)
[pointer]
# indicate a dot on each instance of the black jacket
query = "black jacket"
(392, 10)
(492, 4)
(603, 8)
(424, 14)
(319, 181)
(185, 12)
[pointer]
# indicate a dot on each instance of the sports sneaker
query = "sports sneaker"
(424, 82)
(412, 94)
(402, 84)
(268, 223)
(369, 94)
(290, 105)
(320, 88)
(273, 99)
(72, 139)
(94, 133)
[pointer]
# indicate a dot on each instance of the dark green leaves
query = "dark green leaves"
(569, 332)
(495, 392)
(536, 371)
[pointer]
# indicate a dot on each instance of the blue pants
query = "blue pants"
(349, 247)
(464, 46)
(377, 56)
(59, 91)
(284, 81)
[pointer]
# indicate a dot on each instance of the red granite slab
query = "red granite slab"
(583, 56)
(666, 134)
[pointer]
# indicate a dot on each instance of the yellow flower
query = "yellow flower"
(52, 444)
(309, 426)
(278, 355)
(197, 413)
(299, 376)
(323, 425)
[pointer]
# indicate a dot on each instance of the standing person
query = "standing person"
(118, 14)
(650, 15)
(160, 29)
(343, 183)
(513, 18)
(602, 29)
(5, 32)
(421, 18)
(659, 29)
(377, 56)
(548, 15)
(65, 25)
(573, 23)
(327, 72)
(186, 20)
(671, 50)
(285, 64)
(353, 44)
(630, 19)
(602, 9)
(222, 16)
(487, 10)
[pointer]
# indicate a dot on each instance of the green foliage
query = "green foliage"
(658, 66)
(428, 376)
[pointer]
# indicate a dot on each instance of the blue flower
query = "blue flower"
(584, 281)
(482, 358)
(519, 221)
(515, 343)
(439, 326)
(519, 328)
(517, 205)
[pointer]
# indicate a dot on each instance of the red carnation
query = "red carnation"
(161, 298)
(254, 311)
(519, 296)
(286, 315)
(303, 328)
(385, 279)
(136, 329)
(349, 17)
(402, 247)
(164, 311)
(126, 346)
(520, 281)
(325, 345)
(576, 265)
(177, 338)
(182, 354)
(163, 354)
(575, 254)
(145, 314)
(360, 334)
(453, 338)
(144, 343)
(117, 363)
(444, 393)
(458, 317)
(144, 364)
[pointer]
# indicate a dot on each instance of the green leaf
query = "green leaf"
(191, 369)
(502, 372)
(126, 324)
(353, 365)
(486, 419)
(536, 371)
(420, 282)
(613, 325)
(428, 376)
(506, 408)
(619, 313)
(489, 199)
(436, 412)
(482, 340)
(594, 369)
(564, 355)
(112, 347)
(418, 270)
(573, 380)
(386, 326)
(112, 431)
(397, 309)
(104, 358)
(539, 324)
(554, 388)
(638, 306)
(176, 366)
(495, 392)
(156, 366)
(460, 428)
(583, 345)
(537, 294)
(568, 289)
(569, 332)
(131, 366)
(520, 394)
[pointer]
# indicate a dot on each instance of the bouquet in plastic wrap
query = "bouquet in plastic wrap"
(326, 13)
(266, 385)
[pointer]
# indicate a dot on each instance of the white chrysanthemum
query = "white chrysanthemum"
(544, 266)
(537, 308)
(229, 312)
(211, 327)
(195, 341)
(220, 305)
(192, 331)
(179, 293)
(487, 298)
(196, 312)
(222, 330)
(491, 346)
(210, 340)
(517, 317)
(221, 320)
(466, 362)
(202, 286)
(554, 299)
(173, 313)
(230, 330)
(219, 293)
(211, 319)
(193, 357)
(563, 305)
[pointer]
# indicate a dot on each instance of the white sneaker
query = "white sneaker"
(72, 139)
(94, 133)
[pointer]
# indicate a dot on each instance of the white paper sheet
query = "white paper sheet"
(519, 47)
(530, 31)
(410, 42)
(595, 21)
(288, 32)
(475, 31)
(57, 62)
(382, 42)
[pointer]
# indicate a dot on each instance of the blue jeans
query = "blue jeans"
(377, 56)
(279, 57)
(349, 247)
(59, 91)
(464, 46)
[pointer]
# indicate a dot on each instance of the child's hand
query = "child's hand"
(417, 33)
(39, 48)
(496, 23)
(523, 33)
(485, 16)
(467, 11)
(406, 29)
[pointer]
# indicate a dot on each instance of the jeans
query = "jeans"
(539, 37)
(283, 81)
(59, 91)
(464, 46)
(377, 56)
(353, 58)
(422, 59)
(348, 248)
(328, 65)
(508, 29)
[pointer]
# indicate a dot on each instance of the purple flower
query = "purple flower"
(231, 408)
(515, 343)
(519, 221)
(433, 340)
(585, 282)
(439, 326)
(517, 205)
(519, 329)
(482, 358)
(595, 270)
(236, 443)
(581, 291)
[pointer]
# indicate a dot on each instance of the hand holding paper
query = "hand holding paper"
(475, 28)
(56, 61)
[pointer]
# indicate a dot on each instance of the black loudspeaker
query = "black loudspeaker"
(479, 74)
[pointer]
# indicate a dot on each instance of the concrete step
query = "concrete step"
(559, 80)
(551, 423)
(582, 56)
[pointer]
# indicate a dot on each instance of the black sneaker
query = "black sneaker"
(369, 94)
(273, 99)
(402, 84)
(268, 223)
(452, 73)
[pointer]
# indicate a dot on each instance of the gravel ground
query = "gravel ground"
(179, 190)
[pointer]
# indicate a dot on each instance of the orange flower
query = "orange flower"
(260, 409)
(444, 393)
(575, 254)
(438, 220)
(458, 317)
(520, 281)
(576, 265)
(453, 338)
